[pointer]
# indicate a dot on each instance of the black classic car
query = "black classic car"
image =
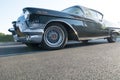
(52, 29)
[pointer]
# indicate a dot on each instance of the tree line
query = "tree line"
(5, 37)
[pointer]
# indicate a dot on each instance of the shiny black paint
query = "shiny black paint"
(82, 25)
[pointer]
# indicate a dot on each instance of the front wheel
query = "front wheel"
(112, 38)
(55, 36)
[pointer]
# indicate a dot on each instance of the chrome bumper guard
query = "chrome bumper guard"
(31, 36)
(28, 39)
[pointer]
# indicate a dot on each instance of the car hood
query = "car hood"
(50, 12)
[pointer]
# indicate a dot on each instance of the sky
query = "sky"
(12, 9)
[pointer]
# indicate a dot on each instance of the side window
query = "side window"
(78, 11)
(87, 12)
(74, 10)
(93, 14)
(99, 16)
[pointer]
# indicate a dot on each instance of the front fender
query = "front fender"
(63, 22)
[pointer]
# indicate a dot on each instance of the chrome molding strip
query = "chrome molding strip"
(33, 31)
(92, 38)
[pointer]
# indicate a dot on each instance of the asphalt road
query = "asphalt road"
(97, 60)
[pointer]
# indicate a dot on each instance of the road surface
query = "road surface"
(97, 60)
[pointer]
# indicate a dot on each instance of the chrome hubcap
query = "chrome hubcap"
(54, 36)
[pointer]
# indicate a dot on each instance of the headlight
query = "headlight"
(26, 14)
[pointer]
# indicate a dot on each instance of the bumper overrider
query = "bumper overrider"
(22, 33)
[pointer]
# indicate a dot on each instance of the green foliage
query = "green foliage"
(2, 34)
(5, 38)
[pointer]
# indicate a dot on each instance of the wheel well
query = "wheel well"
(71, 33)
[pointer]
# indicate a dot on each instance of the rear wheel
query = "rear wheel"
(112, 38)
(55, 36)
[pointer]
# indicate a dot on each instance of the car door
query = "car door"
(94, 23)
(78, 20)
(104, 31)
(90, 25)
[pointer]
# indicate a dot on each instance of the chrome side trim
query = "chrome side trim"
(92, 38)
(58, 20)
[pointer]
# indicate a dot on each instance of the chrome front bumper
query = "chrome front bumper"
(22, 32)
(31, 36)
(28, 39)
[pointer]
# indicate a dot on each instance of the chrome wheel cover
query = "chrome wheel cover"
(54, 36)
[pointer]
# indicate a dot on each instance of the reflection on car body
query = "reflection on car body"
(52, 29)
